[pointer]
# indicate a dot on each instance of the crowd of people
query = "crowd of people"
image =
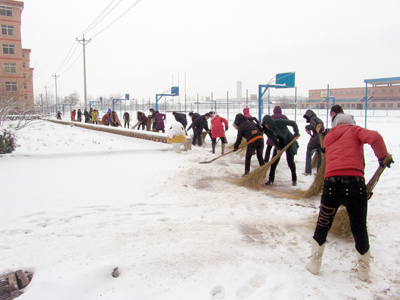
(344, 182)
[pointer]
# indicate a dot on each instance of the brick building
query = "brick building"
(383, 93)
(16, 73)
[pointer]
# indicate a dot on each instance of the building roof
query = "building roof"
(383, 81)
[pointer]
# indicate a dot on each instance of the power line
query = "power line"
(85, 31)
(117, 18)
(104, 16)
(66, 60)
(72, 63)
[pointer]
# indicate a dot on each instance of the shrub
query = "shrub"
(7, 142)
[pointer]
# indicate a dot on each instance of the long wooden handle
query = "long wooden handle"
(375, 178)
(276, 157)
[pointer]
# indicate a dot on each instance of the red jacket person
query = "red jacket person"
(344, 184)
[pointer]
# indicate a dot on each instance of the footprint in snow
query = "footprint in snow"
(217, 292)
(250, 286)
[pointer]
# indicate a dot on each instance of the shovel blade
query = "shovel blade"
(206, 162)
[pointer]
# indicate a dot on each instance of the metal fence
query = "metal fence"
(227, 109)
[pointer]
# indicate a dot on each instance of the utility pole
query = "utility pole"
(55, 77)
(41, 101)
(84, 43)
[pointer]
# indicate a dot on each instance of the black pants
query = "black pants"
(290, 162)
(197, 136)
(126, 123)
(258, 146)
(214, 141)
(267, 153)
(352, 194)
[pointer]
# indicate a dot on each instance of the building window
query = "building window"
(383, 90)
(348, 105)
(398, 104)
(392, 90)
(351, 92)
(362, 91)
(376, 91)
(11, 86)
(24, 65)
(8, 49)
(341, 92)
(26, 96)
(374, 105)
(6, 11)
(382, 105)
(390, 105)
(356, 91)
(335, 92)
(346, 92)
(25, 86)
(353, 105)
(10, 68)
(7, 30)
(24, 75)
(23, 54)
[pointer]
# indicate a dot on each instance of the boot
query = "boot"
(269, 182)
(213, 148)
(222, 148)
(363, 265)
(245, 173)
(316, 257)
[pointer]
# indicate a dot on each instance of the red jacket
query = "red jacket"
(344, 149)
(217, 129)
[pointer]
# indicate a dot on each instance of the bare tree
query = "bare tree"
(10, 104)
(72, 99)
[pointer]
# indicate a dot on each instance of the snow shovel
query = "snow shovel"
(210, 161)
(134, 126)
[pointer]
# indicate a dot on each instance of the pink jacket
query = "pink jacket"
(344, 149)
(217, 129)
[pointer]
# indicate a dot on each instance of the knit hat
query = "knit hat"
(343, 119)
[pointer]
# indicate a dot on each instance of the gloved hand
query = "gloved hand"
(387, 164)
(227, 129)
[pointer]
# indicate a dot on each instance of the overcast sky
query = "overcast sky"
(214, 42)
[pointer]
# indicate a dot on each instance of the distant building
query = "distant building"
(15, 73)
(383, 95)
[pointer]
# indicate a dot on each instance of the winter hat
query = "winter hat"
(239, 119)
(277, 110)
(341, 119)
(246, 112)
(109, 111)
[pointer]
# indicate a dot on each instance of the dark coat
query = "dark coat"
(194, 117)
(276, 116)
(312, 118)
(280, 134)
(143, 119)
(181, 118)
(126, 117)
(200, 124)
(246, 129)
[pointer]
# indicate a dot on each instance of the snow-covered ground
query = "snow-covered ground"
(76, 203)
